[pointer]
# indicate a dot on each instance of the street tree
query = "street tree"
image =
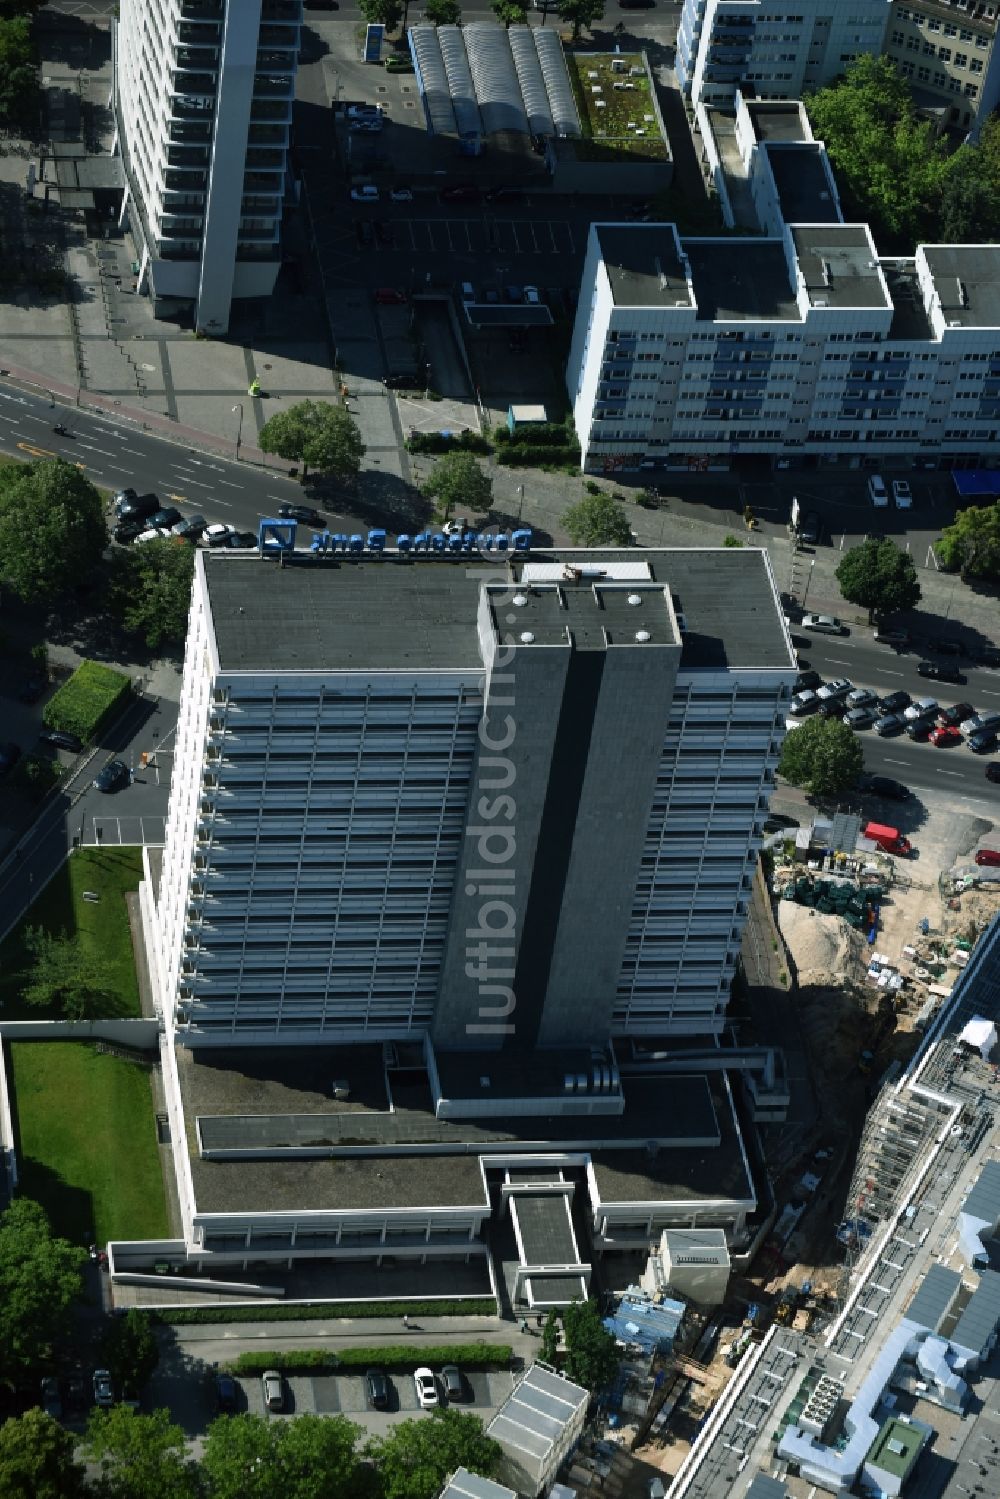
(580, 14)
(52, 531)
(442, 13)
(18, 73)
(150, 590)
(129, 1350)
(318, 435)
(879, 577)
(971, 544)
(591, 1356)
(37, 1459)
(40, 1279)
(60, 976)
(388, 13)
(550, 1338)
(457, 483)
(509, 12)
(248, 1457)
(139, 1457)
(822, 756)
(416, 1457)
(598, 520)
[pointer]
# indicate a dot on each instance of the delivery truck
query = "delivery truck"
(889, 840)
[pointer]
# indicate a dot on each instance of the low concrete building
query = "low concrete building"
(893, 1455)
(538, 1426)
(692, 1262)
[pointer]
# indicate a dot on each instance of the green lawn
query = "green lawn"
(101, 926)
(87, 1141)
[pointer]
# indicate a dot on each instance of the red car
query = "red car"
(988, 856)
(945, 737)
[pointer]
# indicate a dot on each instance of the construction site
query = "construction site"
(847, 963)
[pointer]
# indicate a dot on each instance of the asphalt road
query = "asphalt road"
(116, 454)
(957, 771)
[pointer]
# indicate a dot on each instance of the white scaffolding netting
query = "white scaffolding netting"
(532, 84)
(433, 80)
(565, 115)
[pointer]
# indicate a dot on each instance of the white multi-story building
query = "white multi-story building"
(203, 93)
(778, 51)
(800, 343)
(948, 51)
(316, 876)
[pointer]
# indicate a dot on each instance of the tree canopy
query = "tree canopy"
(318, 435)
(442, 12)
(64, 978)
(591, 1357)
(312, 1457)
(580, 13)
(416, 1457)
(36, 1459)
(150, 590)
(891, 167)
(129, 1349)
(52, 531)
(387, 12)
(18, 73)
(510, 12)
(971, 544)
(140, 1457)
(822, 756)
(39, 1281)
(457, 483)
(879, 577)
(598, 520)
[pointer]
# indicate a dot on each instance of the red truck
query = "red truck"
(889, 840)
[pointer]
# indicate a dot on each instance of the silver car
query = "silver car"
(823, 624)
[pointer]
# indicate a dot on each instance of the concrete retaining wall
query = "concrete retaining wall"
(142, 1034)
(8, 1159)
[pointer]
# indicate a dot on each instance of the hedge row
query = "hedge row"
(535, 435)
(530, 456)
(400, 1356)
(85, 703)
(483, 1306)
(447, 442)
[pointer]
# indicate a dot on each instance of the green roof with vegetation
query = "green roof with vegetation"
(617, 111)
(884, 1453)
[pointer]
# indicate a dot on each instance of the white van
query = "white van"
(877, 491)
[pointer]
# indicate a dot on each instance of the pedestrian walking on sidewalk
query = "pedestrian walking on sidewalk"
(406, 1320)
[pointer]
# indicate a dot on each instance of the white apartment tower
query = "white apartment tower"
(351, 728)
(775, 50)
(203, 93)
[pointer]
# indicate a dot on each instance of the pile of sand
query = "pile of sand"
(824, 949)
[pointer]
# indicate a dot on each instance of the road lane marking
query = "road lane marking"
(896, 762)
(135, 452)
(229, 484)
(200, 484)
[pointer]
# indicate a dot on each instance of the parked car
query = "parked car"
(838, 687)
(226, 1395)
(123, 497)
(138, 507)
(460, 192)
(400, 195)
(919, 728)
(889, 635)
(166, 518)
(949, 647)
(956, 715)
(242, 541)
(859, 718)
(894, 702)
(888, 724)
(191, 528)
(823, 624)
(10, 753)
(810, 528)
(113, 776)
(388, 296)
(504, 195)
(104, 1395)
(777, 822)
(803, 703)
(980, 721)
(367, 194)
(988, 856)
(425, 1388)
(861, 697)
(401, 382)
(273, 1390)
(939, 671)
(151, 533)
(902, 494)
(126, 531)
(808, 681)
(877, 492)
(921, 707)
(377, 1389)
(218, 535)
(982, 741)
(307, 514)
(51, 1399)
(885, 786)
(62, 739)
(452, 1383)
(944, 736)
(993, 771)
(532, 296)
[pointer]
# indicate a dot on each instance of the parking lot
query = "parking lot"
(483, 236)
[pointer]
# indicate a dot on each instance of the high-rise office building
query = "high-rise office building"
(569, 754)
(203, 93)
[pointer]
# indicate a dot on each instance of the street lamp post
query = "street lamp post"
(520, 502)
(239, 430)
(809, 574)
